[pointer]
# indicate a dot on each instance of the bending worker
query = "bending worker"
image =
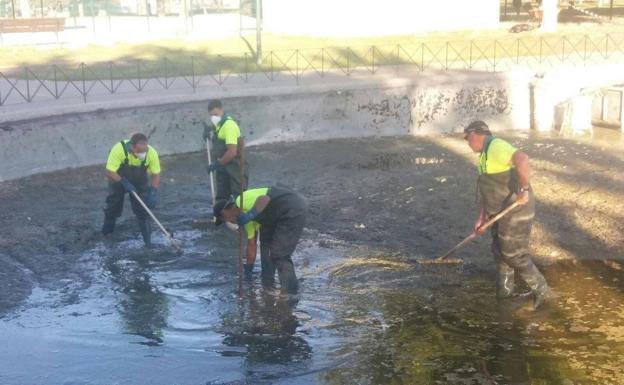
(129, 162)
(504, 177)
(278, 213)
(226, 158)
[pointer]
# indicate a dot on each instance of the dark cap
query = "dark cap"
(479, 127)
(219, 206)
(138, 137)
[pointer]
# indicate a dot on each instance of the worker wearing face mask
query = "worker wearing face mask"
(225, 137)
(127, 168)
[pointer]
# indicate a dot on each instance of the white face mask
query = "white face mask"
(231, 226)
(215, 119)
(141, 155)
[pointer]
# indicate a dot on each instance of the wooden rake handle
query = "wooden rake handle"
(474, 235)
(241, 229)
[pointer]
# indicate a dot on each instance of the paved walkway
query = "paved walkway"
(28, 99)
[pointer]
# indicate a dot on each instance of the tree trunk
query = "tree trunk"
(549, 20)
(25, 9)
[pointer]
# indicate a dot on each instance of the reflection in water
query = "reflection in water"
(143, 307)
(266, 327)
(451, 335)
(507, 358)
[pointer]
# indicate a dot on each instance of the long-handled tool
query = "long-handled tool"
(468, 239)
(212, 182)
(241, 229)
(167, 234)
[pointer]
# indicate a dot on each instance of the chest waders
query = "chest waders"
(137, 175)
(282, 223)
(510, 235)
(228, 177)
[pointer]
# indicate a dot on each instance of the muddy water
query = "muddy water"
(77, 311)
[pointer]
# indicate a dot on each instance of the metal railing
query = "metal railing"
(189, 74)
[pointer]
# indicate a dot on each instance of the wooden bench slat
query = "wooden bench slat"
(32, 25)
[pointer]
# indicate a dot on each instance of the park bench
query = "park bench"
(49, 24)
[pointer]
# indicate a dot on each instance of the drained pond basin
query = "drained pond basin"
(76, 310)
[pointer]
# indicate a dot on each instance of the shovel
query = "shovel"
(167, 234)
(468, 239)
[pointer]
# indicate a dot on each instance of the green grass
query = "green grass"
(297, 53)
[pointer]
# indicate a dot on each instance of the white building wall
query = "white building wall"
(376, 18)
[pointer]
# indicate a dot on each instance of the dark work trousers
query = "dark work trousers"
(114, 205)
(228, 177)
(229, 182)
(510, 246)
(278, 243)
(511, 234)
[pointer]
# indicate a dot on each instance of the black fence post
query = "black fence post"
(139, 73)
(28, 99)
(56, 94)
(166, 78)
(398, 59)
(348, 61)
(219, 69)
(110, 71)
(297, 66)
(84, 82)
(246, 68)
(193, 73)
(494, 65)
(373, 60)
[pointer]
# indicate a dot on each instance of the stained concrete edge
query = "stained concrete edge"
(56, 138)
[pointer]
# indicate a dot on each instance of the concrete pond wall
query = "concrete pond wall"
(436, 103)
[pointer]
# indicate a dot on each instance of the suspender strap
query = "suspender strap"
(124, 145)
(486, 148)
(225, 118)
(125, 149)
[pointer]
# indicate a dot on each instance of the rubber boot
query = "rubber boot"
(505, 283)
(537, 283)
(268, 267)
(108, 226)
(287, 276)
(544, 295)
(248, 271)
(146, 231)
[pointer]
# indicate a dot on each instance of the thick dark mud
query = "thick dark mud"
(74, 310)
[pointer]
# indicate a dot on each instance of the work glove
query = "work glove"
(151, 197)
(245, 218)
(213, 167)
(208, 132)
(129, 187)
